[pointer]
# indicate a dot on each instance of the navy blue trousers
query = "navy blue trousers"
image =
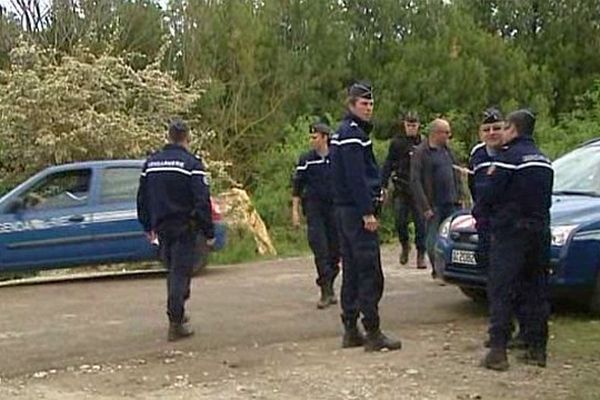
(362, 285)
(179, 252)
(323, 240)
(517, 280)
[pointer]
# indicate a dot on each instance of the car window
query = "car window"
(119, 184)
(59, 190)
(578, 171)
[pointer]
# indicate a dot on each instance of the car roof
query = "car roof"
(97, 164)
(589, 143)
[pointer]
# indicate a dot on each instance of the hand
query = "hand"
(429, 214)
(491, 170)
(211, 242)
(151, 236)
(295, 220)
(371, 223)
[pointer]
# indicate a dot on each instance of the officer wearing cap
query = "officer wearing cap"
(173, 205)
(519, 191)
(312, 188)
(481, 157)
(357, 198)
(397, 166)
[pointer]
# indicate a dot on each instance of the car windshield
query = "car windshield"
(578, 172)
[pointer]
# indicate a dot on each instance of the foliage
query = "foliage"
(83, 107)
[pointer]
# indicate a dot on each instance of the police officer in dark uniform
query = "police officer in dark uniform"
(312, 188)
(173, 205)
(397, 166)
(481, 157)
(519, 191)
(357, 197)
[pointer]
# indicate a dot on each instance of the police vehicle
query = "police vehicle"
(78, 214)
(575, 224)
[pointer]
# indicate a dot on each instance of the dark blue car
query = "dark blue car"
(77, 214)
(575, 253)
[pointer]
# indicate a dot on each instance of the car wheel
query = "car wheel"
(595, 300)
(477, 295)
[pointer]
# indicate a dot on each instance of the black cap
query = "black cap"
(178, 127)
(320, 127)
(361, 89)
(523, 120)
(411, 116)
(492, 115)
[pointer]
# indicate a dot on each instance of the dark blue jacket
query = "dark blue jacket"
(174, 193)
(519, 188)
(356, 180)
(312, 180)
(479, 162)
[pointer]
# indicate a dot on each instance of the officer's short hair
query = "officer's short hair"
(523, 121)
(360, 89)
(178, 130)
(320, 127)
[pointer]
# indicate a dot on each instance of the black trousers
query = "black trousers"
(406, 209)
(323, 240)
(517, 283)
(179, 250)
(363, 280)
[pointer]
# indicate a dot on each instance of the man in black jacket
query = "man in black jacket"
(435, 182)
(397, 166)
(173, 205)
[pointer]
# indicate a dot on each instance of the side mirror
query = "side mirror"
(15, 206)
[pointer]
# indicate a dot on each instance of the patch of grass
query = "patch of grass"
(240, 247)
(576, 344)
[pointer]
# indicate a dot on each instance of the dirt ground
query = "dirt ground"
(260, 336)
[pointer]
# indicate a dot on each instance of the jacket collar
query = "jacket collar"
(366, 126)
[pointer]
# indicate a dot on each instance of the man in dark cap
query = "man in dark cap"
(481, 157)
(357, 197)
(519, 191)
(397, 166)
(312, 188)
(173, 205)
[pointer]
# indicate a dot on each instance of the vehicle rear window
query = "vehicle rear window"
(119, 184)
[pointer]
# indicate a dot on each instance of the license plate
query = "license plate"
(463, 257)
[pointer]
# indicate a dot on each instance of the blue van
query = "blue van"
(77, 214)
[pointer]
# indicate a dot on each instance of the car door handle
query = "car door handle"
(76, 218)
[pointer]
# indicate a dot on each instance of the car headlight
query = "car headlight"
(444, 230)
(560, 234)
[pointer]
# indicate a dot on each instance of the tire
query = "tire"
(477, 295)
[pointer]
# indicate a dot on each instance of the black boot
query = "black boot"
(377, 341)
(421, 260)
(352, 336)
(533, 356)
(324, 299)
(495, 359)
(179, 331)
(404, 253)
